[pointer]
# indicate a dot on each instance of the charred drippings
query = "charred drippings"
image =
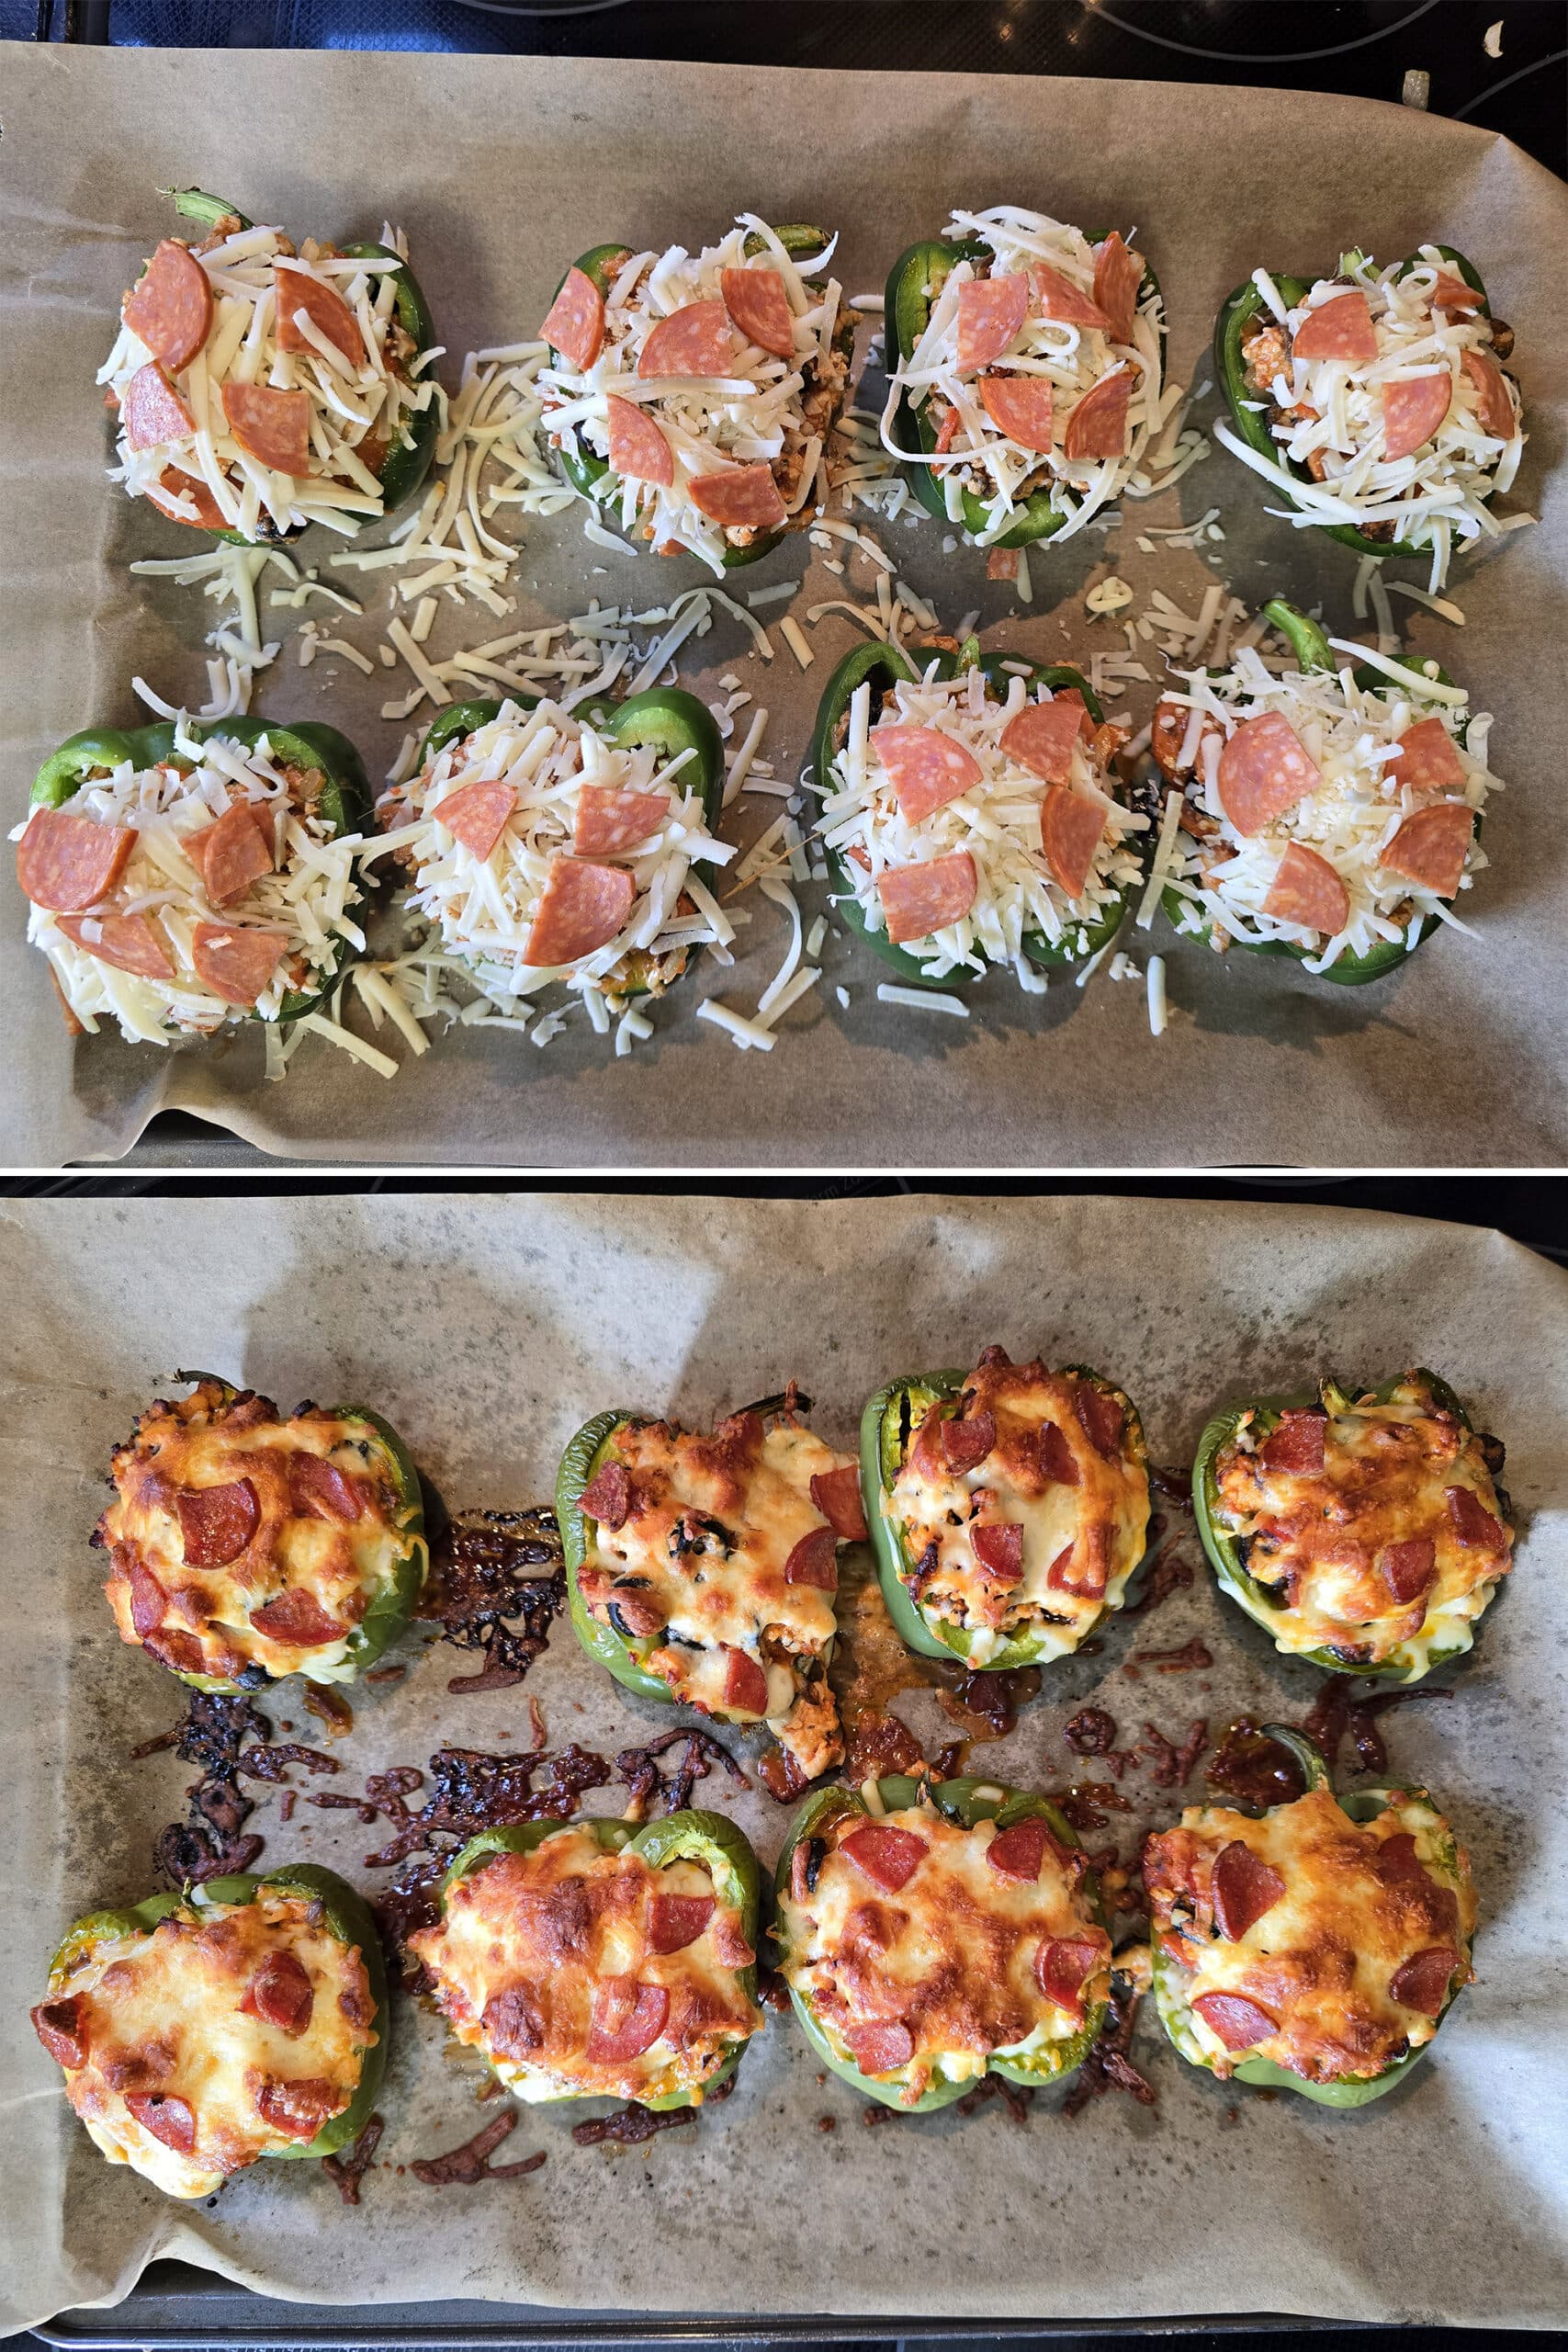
(1252, 1768)
(880, 1744)
(985, 1704)
(497, 1579)
(1171, 1761)
(1106, 2066)
(470, 2163)
(1190, 1658)
(1091, 1732)
(1016, 2097)
(1170, 1573)
(349, 2169)
(647, 1776)
(1340, 1709)
(220, 1729)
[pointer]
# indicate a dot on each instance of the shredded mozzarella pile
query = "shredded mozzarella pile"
(769, 410)
(350, 405)
(1437, 498)
(1349, 732)
(998, 823)
(1000, 472)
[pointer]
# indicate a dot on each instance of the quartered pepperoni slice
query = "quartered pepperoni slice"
(607, 1497)
(66, 864)
(172, 489)
(148, 1600)
(58, 2025)
(236, 964)
(759, 309)
(1018, 1853)
(152, 412)
(1472, 1523)
(131, 943)
(1098, 425)
(1238, 2023)
(889, 1858)
(1059, 1463)
(1056, 297)
(836, 1494)
(676, 1920)
(1407, 1568)
(217, 1522)
(1263, 770)
(170, 307)
(1494, 408)
(926, 768)
(1018, 406)
(298, 2109)
(1000, 1550)
(299, 1619)
(879, 2048)
(1307, 890)
(745, 1684)
(1244, 1889)
(574, 323)
(626, 2019)
(1451, 293)
(231, 853)
(919, 899)
(280, 1994)
(1426, 760)
(1041, 737)
(1118, 274)
(814, 1561)
(1422, 1982)
(692, 341)
(991, 312)
(271, 426)
(1296, 1446)
(295, 290)
(582, 907)
(1101, 1418)
(1061, 1966)
(1431, 847)
(1071, 829)
(1083, 1567)
(966, 1441)
(166, 2117)
(743, 497)
(476, 814)
(1340, 329)
(639, 450)
(319, 1489)
(1413, 408)
(610, 822)
(181, 1652)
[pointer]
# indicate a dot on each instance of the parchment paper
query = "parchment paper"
(487, 1329)
(500, 169)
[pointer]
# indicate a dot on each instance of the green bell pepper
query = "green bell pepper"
(348, 1916)
(886, 665)
(887, 1426)
(914, 286)
(589, 474)
(966, 1801)
(1171, 1979)
(690, 1836)
(1309, 641)
(1411, 1661)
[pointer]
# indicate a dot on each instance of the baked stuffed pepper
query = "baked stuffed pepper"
(1316, 1949)
(931, 1934)
(1330, 813)
(1009, 1508)
(202, 2030)
(970, 813)
(183, 878)
(1376, 401)
(1025, 373)
(704, 1570)
(260, 387)
(691, 396)
(593, 1958)
(1362, 1529)
(245, 1547)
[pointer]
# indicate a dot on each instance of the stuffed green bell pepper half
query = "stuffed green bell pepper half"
(243, 2018)
(1331, 813)
(1361, 1527)
(692, 395)
(1317, 1948)
(594, 1959)
(245, 1547)
(934, 1933)
(1009, 1508)
(971, 814)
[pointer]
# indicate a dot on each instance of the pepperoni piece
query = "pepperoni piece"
(231, 853)
(1407, 1568)
(1396, 1860)
(676, 1920)
(1244, 1889)
(1018, 1853)
(170, 307)
(1426, 760)
(1071, 829)
(926, 768)
(607, 1497)
(1339, 329)
(1494, 408)
(280, 1994)
(236, 964)
(297, 1619)
(148, 1600)
(1101, 1418)
(1422, 1982)
(1000, 1550)
(966, 1441)
(581, 908)
(745, 1684)
(273, 427)
(1472, 1523)
(1018, 406)
(1296, 1446)
(180, 1651)
(919, 899)
(1041, 737)
(1117, 274)
(889, 1858)
(574, 323)
(626, 2019)
(948, 434)
(58, 2025)
(1413, 409)
(1306, 891)
(131, 943)
(814, 1561)
(152, 412)
(1263, 770)
(1451, 293)
(692, 341)
(759, 309)
(1087, 1575)
(743, 497)
(1062, 1965)
(1098, 426)
(296, 2110)
(166, 2117)
(295, 289)
(319, 1489)
(1431, 847)
(610, 822)
(879, 2048)
(217, 1522)
(67, 863)
(1056, 297)
(1238, 2023)
(1058, 1463)
(632, 1614)
(476, 814)
(639, 450)
(172, 485)
(991, 312)
(836, 1494)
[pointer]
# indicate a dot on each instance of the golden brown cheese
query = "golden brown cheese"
(1062, 1471)
(239, 1539)
(701, 1560)
(949, 1968)
(181, 2075)
(1377, 1524)
(556, 1965)
(1309, 1957)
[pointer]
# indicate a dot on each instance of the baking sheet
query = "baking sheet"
(500, 169)
(487, 1328)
